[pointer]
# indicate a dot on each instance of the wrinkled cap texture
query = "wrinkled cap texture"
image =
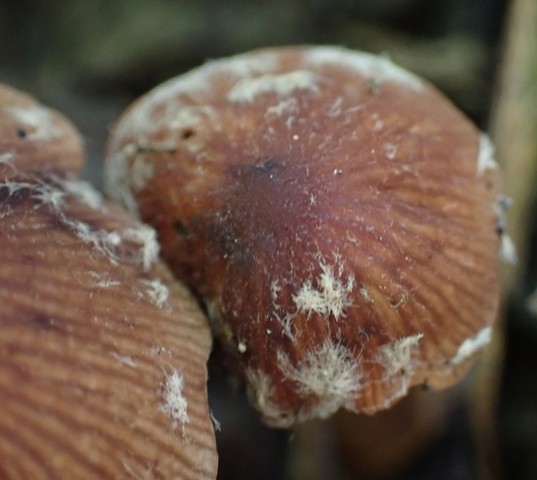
(102, 352)
(336, 214)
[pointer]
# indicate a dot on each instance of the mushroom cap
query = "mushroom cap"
(102, 352)
(335, 213)
(34, 137)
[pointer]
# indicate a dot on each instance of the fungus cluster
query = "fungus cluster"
(338, 218)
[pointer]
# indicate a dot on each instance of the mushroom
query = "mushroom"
(102, 352)
(336, 215)
(35, 137)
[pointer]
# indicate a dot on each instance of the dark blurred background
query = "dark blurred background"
(90, 59)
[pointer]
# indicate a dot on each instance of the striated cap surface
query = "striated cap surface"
(336, 214)
(102, 352)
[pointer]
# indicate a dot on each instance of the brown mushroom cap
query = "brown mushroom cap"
(102, 353)
(336, 214)
(34, 137)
